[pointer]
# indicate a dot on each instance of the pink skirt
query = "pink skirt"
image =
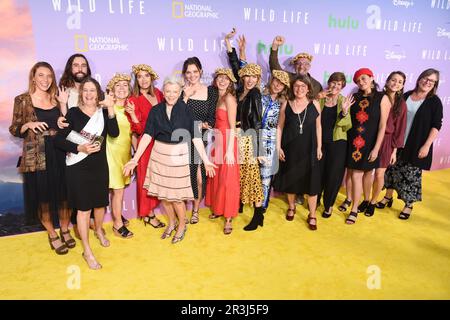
(168, 177)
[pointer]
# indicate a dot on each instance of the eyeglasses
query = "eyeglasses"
(428, 80)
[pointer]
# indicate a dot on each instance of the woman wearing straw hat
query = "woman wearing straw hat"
(222, 192)
(145, 97)
(248, 119)
(118, 151)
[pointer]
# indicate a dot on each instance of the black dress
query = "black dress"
(203, 111)
(87, 180)
(45, 191)
(300, 173)
(365, 113)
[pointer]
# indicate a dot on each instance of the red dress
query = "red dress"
(394, 135)
(222, 191)
(145, 203)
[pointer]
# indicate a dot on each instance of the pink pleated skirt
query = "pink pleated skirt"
(168, 177)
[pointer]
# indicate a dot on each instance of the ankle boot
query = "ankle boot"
(257, 220)
(241, 207)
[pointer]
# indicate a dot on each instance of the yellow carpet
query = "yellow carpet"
(282, 260)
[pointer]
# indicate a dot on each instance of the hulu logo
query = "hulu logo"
(326, 76)
(348, 23)
(285, 49)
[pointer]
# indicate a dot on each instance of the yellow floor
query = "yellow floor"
(283, 260)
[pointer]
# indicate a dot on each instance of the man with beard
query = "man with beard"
(77, 68)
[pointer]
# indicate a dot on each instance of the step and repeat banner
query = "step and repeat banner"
(386, 35)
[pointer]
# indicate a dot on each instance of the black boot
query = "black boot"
(257, 220)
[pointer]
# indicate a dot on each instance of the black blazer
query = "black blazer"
(428, 116)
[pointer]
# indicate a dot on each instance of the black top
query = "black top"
(328, 120)
(77, 120)
(204, 110)
(49, 116)
(249, 111)
(428, 116)
(160, 128)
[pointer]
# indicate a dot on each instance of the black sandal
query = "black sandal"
(381, 205)
(149, 218)
(123, 232)
(363, 206)
(370, 210)
(344, 206)
(405, 215)
(351, 219)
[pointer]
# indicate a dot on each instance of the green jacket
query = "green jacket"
(343, 124)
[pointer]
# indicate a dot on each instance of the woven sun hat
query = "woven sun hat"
(227, 72)
(145, 67)
(302, 55)
(118, 77)
(283, 76)
(251, 69)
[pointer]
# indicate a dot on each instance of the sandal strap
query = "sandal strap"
(124, 232)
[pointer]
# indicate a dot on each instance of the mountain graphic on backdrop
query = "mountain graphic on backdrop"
(11, 200)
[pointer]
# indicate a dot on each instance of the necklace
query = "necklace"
(302, 121)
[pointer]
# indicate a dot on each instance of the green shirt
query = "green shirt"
(343, 124)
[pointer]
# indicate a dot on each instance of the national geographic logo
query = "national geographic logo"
(180, 9)
(84, 43)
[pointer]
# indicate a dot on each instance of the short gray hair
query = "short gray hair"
(172, 80)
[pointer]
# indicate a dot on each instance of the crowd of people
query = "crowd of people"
(229, 143)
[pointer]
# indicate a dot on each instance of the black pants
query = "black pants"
(332, 169)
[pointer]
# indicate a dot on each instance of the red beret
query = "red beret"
(362, 71)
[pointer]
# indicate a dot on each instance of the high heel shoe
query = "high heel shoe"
(370, 210)
(344, 206)
(123, 232)
(62, 249)
(382, 205)
(288, 216)
(310, 225)
(405, 215)
(241, 207)
(66, 237)
(92, 263)
(351, 219)
(363, 206)
(168, 232)
(149, 218)
(176, 239)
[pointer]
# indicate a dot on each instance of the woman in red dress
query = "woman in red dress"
(145, 96)
(222, 191)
